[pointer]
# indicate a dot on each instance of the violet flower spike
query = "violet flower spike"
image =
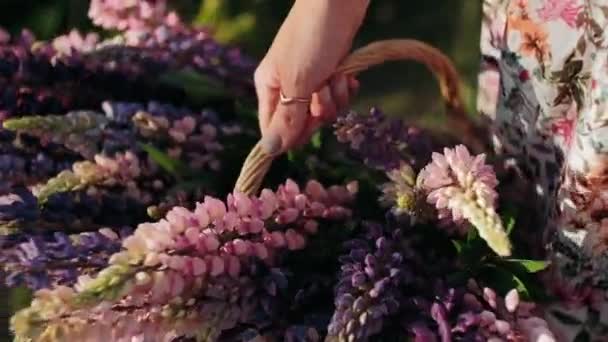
(368, 290)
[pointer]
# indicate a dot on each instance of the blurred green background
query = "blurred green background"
(404, 89)
(399, 88)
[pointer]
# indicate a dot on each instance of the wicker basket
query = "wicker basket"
(258, 163)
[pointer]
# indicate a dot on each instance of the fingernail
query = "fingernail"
(271, 143)
(315, 105)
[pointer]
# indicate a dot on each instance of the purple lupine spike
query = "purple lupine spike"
(384, 143)
(40, 80)
(368, 290)
(69, 210)
(45, 260)
(24, 161)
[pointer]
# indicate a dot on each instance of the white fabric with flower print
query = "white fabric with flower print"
(544, 85)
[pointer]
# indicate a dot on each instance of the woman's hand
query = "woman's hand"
(314, 38)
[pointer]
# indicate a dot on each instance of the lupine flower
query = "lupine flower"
(19, 204)
(76, 130)
(217, 306)
(23, 161)
(383, 142)
(300, 333)
(464, 186)
(188, 136)
(493, 317)
(175, 257)
(368, 291)
(122, 169)
(75, 42)
(43, 261)
(36, 80)
(195, 139)
(128, 15)
(473, 313)
(399, 193)
(22, 216)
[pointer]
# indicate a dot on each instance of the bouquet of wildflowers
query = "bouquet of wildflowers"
(116, 209)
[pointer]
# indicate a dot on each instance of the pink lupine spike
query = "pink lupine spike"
(300, 201)
(167, 261)
(202, 215)
(465, 186)
(275, 239)
(287, 216)
(311, 226)
(241, 247)
(233, 266)
(216, 265)
(256, 225)
(243, 204)
(316, 191)
(199, 267)
(215, 208)
(211, 242)
(295, 240)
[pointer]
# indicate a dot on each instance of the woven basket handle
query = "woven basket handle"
(258, 163)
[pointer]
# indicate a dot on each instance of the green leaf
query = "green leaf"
(508, 219)
(565, 318)
(509, 224)
(504, 281)
(235, 28)
(316, 140)
(172, 166)
(197, 86)
(458, 245)
(472, 235)
(520, 286)
(531, 266)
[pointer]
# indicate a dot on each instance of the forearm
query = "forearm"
(318, 34)
(348, 13)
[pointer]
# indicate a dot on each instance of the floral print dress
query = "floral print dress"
(544, 85)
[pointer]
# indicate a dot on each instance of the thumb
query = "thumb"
(286, 127)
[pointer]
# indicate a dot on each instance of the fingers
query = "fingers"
(340, 92)
(267, 104)
(334, 97)
(327, 103)
(267, 90)
(287, 123)
(312, 125)
(287, 126)
(323, 106)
